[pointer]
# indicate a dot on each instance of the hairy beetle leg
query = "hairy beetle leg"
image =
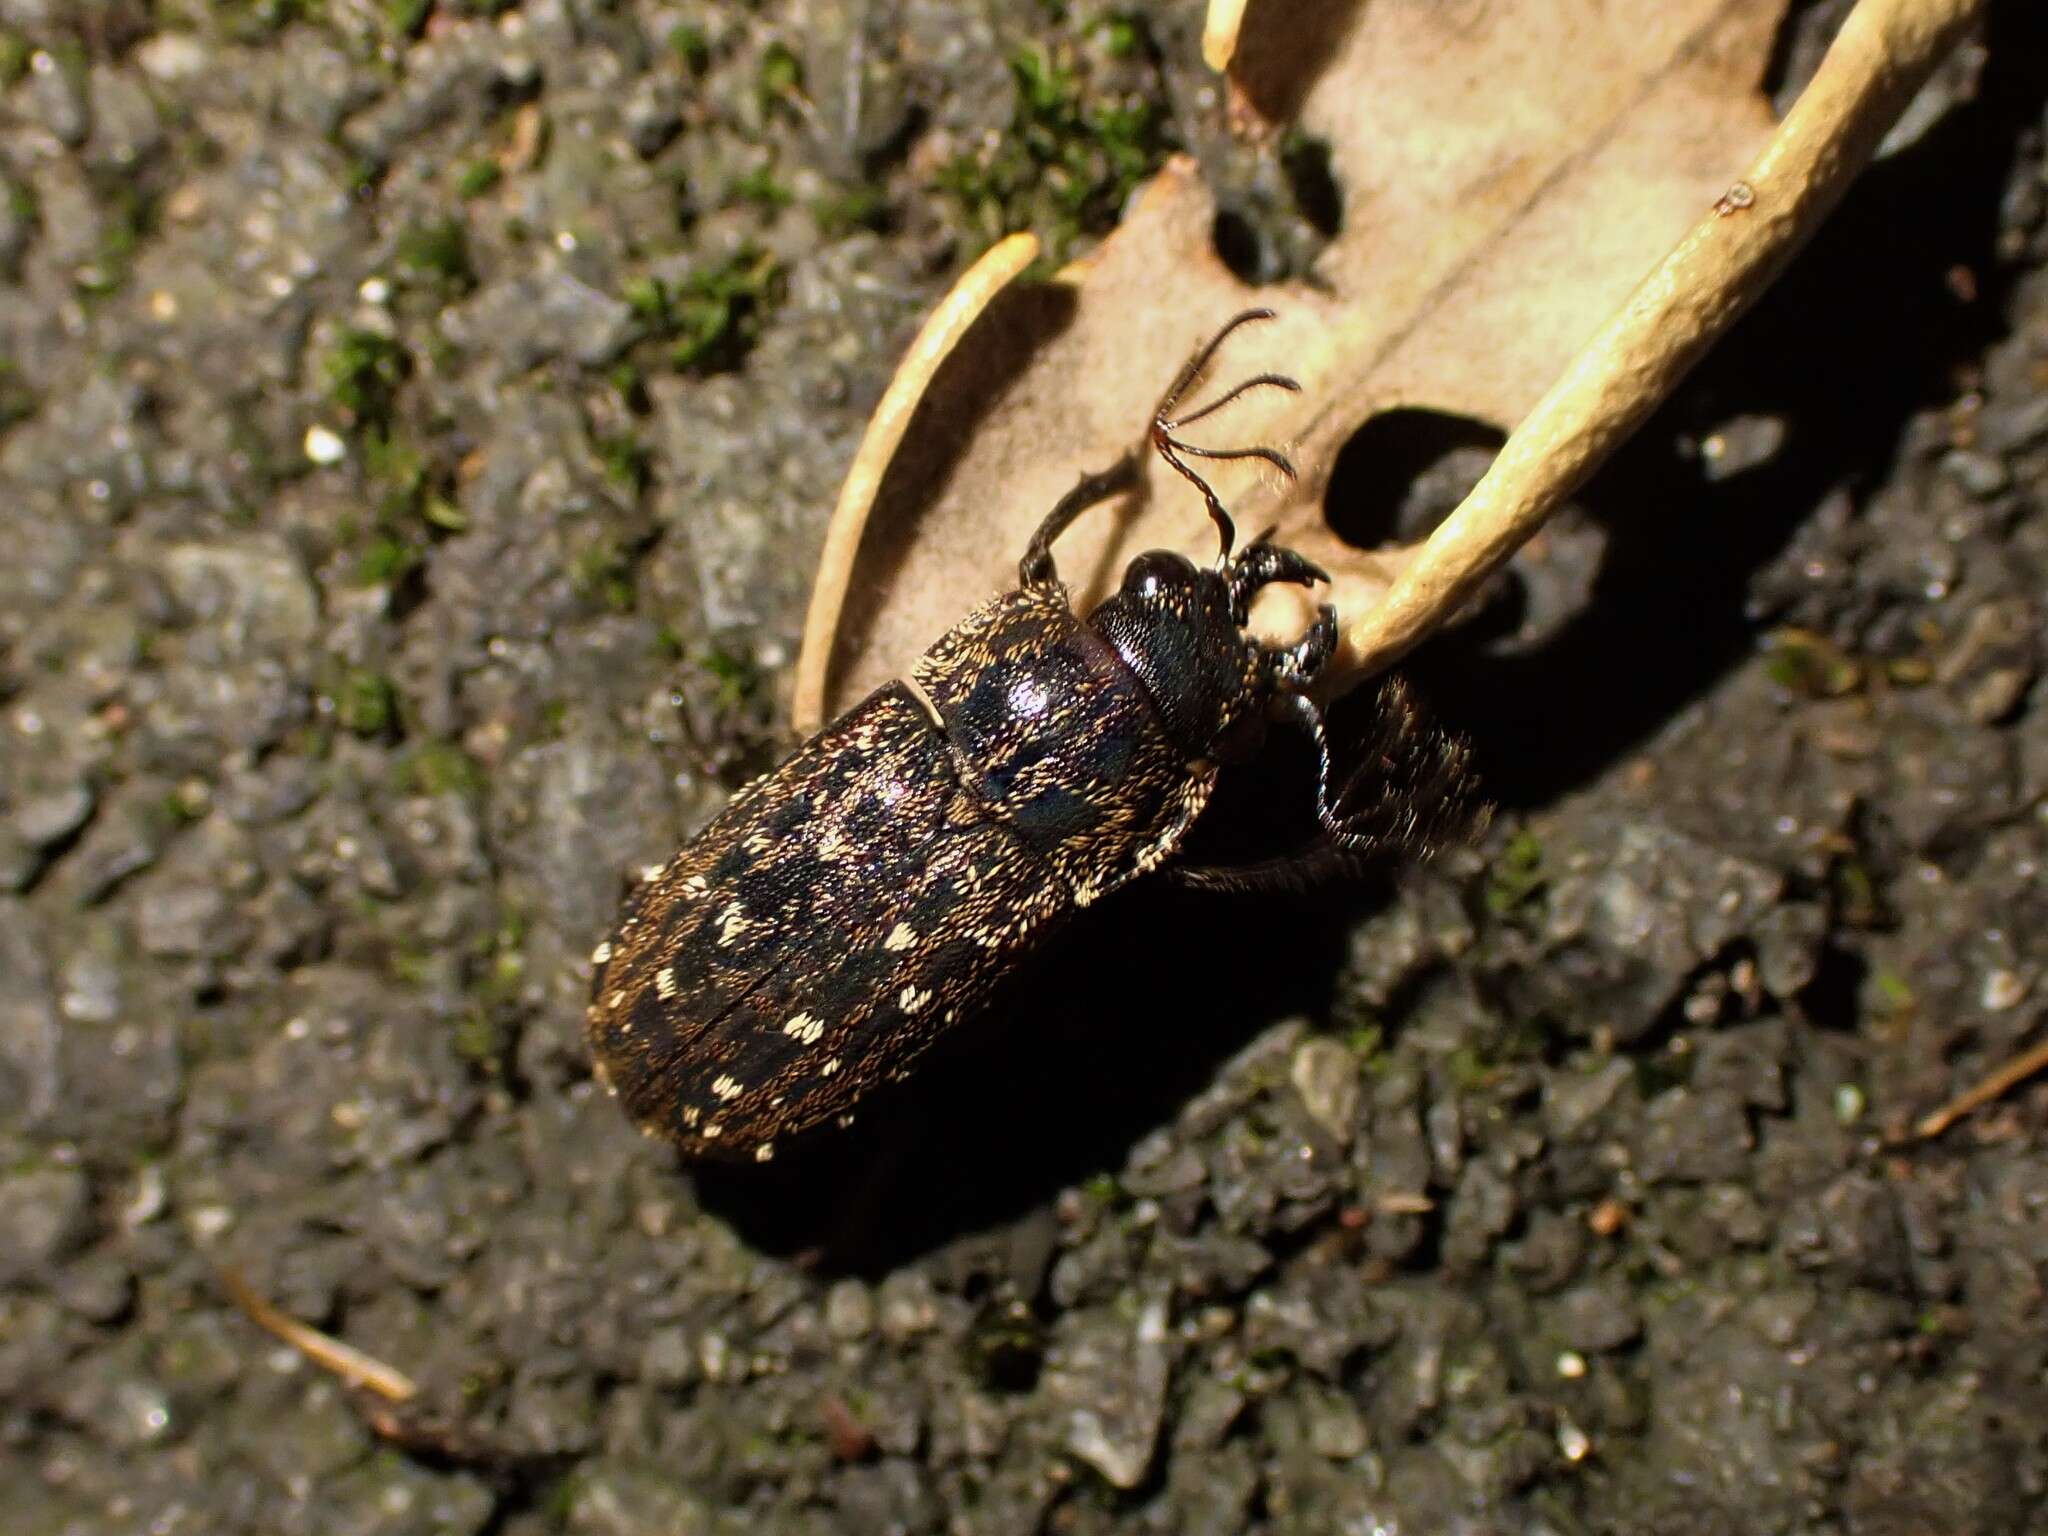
(1037, 566)
(1414, 785)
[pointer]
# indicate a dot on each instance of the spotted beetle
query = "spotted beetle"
(872, 892)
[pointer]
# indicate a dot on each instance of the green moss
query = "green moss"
(478, 1039)
(1067, 163)
(366, 703)
(256, 21)
(1468, 1070)
(647, 298)
(436, 254)
(736, 676)
(478, 177)
(1368, 1043)
(411, 966)
(781, 77)
(407, 18)
(1104, 1190)
(1516, 877)
(603, 573)
(363, 374)
(439, 767)
(713, 317)
(126, 216)
(386, 560)
(15, 52)
(760, 188)
(1122, 36)
(17, 400)
(1857, 901)
(690, 47)
(625, 461)
(1810, 665)
(851, 208)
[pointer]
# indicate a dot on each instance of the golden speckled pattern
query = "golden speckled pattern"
(813, 939)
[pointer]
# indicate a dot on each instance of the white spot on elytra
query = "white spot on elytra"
(845, 1121)
(696, 885)
(902, 936)
(649, 873)
(805, 1028)
(829, 1068)
(713, 1131)
(616, 1001)
(665, 981)
(727, 1087)
(764, 1152)
(910, 999)
(601, 954)
(692, 1114)
(732, 922)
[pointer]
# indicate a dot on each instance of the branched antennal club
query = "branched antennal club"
(1166, 425)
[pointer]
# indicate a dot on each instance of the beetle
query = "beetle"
(874, 891)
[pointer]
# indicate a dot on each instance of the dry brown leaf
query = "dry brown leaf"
(1510, 170)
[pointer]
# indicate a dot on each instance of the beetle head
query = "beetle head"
(1180, 628)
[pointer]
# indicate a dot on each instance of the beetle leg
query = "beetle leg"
(1290, 872)
(1036, 568)
(1261, 564)
(1412, 788)
(1294, 668)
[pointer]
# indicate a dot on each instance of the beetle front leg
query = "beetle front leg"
(1037, 568)
(1294, 668)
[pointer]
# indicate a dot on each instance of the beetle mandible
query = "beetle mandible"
(846, 908)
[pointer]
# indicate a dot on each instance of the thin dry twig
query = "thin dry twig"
(2008, 1077)
(1882, 56)
(365, 1372)
(956, 314)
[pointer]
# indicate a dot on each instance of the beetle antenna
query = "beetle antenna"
(1165, 424)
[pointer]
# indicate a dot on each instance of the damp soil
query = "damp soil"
(417, 422)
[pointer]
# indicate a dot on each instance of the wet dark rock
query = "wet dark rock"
(1576, 1101)
(1320, 1317)
(1105, 1382)
(1550, 1253)
(527, 321)
(56, 97)
(1740, 445)
(1691, 1136)
(1597, 1317)
(30, 1041)
(49, 818)
(1647, 916)
(885, 1497)
(45, 1213)
(1483, 1208)
(1211, 1495)
(652, 114)
(99, 1288)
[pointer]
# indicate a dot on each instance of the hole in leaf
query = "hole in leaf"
(1317, 197)
(1403, 471)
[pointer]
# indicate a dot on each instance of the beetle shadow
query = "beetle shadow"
(1129, 1015)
